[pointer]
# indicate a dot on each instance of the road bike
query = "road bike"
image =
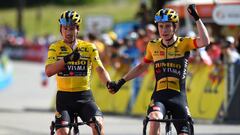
(168, 120)
(74, 126)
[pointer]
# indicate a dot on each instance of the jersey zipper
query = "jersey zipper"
(166, 66)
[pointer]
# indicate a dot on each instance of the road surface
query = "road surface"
(25, 109)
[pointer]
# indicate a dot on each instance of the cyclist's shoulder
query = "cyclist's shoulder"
(185, 39)
(155, 41)
(57, 43)
(86, 44)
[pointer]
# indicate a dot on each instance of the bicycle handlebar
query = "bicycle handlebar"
(168, 120)
(147, 119)
(73, 124)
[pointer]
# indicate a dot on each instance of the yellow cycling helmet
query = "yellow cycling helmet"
(166, 15)
(70, 18)
(113, 35)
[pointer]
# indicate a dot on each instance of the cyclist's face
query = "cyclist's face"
(166, 30)
(69, 33)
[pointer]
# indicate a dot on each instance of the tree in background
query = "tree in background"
(156, 5)
(20, 8)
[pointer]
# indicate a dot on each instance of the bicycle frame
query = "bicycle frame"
(168, 122)
(74, 125)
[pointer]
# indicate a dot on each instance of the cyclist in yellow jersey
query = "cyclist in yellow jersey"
(72, 61)
(169, 55)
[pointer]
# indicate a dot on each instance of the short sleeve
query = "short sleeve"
(190, 43)
(148, 56)
(52, 56)
(96, 61)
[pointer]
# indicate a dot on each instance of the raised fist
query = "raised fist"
(193, 11)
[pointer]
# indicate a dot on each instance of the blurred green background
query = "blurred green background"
(41, 17)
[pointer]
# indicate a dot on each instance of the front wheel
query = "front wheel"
(52, 128)
(190, 126)
(191, 132)
(168, 128)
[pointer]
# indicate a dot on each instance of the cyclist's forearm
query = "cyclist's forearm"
(54, 68)
(136, 71)
(103, 75)
(203, 39)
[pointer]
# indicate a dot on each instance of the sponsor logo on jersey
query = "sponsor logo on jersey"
(79, 62)
(162, 53)
(158, 71)
(171, 53)
(168, 67)
(78, 68)
(172, 70)
(63, 48)
(185, 69)
(51, 58)
(83, 49)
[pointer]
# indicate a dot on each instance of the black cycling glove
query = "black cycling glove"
(120, 83)
(74, 56)
(193, 12)
(111, 85)
(114, 87)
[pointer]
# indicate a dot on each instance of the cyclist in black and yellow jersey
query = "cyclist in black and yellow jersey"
(72, 60)
(169, 55)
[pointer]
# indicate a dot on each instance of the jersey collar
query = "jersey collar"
(167, 46)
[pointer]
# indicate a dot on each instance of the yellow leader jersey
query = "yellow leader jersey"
(76, 75)
(170, 62)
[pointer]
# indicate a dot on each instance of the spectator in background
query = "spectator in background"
(141, 41)
(151, 32)
(145, 35)
(131, 56)
(110, 39)
(214, 52)
(100, 46)
(143, 15)
(232, 59)
(199, 54)
(237, 42)
(230, 51)
(1, 53)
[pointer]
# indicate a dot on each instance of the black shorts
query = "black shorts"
(176, 103)
(82, 103)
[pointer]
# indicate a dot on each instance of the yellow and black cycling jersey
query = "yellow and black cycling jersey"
(76, 75)
(170, 62)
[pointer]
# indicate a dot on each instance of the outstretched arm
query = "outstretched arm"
(103, 74)
(136, 71)
(203, 37)
(133, 73)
